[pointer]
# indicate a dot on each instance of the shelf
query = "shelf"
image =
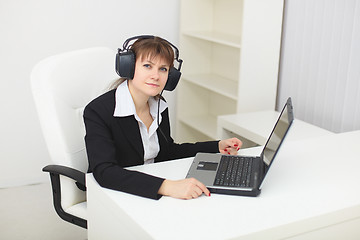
(231, 49)
(221, 38)
(206, 124)
(215, 83)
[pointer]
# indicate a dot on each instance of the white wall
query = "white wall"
(320, 62)
(31, 30)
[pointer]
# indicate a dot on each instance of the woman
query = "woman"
(122, 129)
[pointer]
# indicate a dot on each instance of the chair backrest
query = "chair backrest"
(62, 86)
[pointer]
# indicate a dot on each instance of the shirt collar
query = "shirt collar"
(124, 104)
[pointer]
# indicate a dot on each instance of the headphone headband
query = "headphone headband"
(126, 43)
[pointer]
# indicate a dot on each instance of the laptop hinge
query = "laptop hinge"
(262, 172)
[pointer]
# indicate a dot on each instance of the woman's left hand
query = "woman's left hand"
(230, 146)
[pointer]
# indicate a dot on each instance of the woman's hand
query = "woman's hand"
(184, 189)
(230, 146)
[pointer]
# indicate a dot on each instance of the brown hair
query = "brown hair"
(152, 48)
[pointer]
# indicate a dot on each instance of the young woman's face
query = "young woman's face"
(150, 75)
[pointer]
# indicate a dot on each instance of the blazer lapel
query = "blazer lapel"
(131, 131)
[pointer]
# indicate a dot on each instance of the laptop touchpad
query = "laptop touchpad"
(209, 166)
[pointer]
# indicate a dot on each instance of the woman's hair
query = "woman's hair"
(149, 48)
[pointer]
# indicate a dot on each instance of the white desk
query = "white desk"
(254, 128)
(311, 192)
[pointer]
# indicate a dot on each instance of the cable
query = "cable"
(158, 117)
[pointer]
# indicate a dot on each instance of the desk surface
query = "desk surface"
(257, 126)
(313, 184)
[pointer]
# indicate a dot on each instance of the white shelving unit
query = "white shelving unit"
(231, 52)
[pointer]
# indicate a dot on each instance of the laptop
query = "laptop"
(241, 175)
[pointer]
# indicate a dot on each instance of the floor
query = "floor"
(27, 213)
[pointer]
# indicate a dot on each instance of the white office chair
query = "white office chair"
(62, 85)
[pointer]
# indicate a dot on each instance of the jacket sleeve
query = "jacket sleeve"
(104, 160)
(170, 150)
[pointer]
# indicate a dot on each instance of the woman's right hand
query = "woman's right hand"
(184, 189)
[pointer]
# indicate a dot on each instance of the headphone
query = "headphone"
(125, 63)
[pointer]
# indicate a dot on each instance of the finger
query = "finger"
(225, 151)
(194, 195)
(226, 143)
(203, 189)
(237, 143)
(188, 197)
(197, 190)
(194, 189)
(232, 150)
(231, 142)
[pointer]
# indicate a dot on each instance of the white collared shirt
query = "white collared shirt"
(124, 106)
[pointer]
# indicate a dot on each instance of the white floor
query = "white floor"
(27, 213)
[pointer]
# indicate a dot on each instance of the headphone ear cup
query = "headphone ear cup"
(125, 64)
(173, 79)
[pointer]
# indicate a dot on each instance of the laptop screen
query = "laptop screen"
(278, 134)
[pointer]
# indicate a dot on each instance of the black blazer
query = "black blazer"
(113, 143)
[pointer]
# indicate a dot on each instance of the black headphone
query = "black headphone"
(125, 63)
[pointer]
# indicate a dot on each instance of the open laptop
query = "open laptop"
(241, 175)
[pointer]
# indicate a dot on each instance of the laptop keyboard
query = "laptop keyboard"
(234, 171)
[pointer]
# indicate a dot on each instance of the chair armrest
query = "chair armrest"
(72, 173)
(78, 177)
